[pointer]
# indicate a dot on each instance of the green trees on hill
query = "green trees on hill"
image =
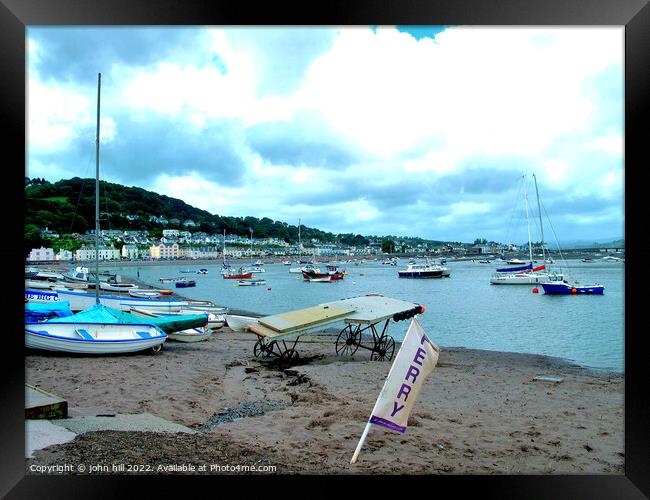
(68, 206)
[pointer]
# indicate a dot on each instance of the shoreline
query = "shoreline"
(561, 362)
(479, 412)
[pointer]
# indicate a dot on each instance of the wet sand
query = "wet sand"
(479, 412)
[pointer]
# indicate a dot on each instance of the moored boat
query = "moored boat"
(251, 282)
(214, 321)
(190, 335)
(185, 284)
(426, 270)
(80, 300)
(575, 288)
(117, 287)
(39, 284)
(239, 323)
(326, 279)
(41, 296)
(144, 294)
(93, 338)
(240, 275)
(524, 273)
(36, 312)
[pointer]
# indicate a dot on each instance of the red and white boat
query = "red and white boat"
(324, 279)
(237, 275)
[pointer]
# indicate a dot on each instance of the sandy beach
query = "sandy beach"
(479, 412)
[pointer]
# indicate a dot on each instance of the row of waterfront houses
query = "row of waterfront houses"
(162, 251)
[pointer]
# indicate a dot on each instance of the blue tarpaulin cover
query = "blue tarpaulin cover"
(38, 311)
(101, 314)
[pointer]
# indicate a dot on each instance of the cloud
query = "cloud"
(393, 130)
(77, 54)
(300, 142)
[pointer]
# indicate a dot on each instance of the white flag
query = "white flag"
(415, 360)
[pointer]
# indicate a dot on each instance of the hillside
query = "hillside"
(68, 206)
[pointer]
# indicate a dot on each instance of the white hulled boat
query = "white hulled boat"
(526, 273)
(92, 331)
(93, 338)
(239, 323)
(427, 270)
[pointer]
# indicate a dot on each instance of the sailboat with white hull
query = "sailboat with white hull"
(526, 274)
(94, 330)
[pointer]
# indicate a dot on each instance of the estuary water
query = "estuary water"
(464, 310)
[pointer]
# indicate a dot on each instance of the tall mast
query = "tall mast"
(530, 245)
(99, 86)
(224, 248)
(541, 226)
(251, 229)
(299, 242)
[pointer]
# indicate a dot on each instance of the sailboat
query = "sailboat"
(98, 329)
(298, 270)
(256, 266)
(304, 266)
(225, 267)
(79, 300)
(526, 273)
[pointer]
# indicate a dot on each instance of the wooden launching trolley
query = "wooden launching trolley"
(361, 315)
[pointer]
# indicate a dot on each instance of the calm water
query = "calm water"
(464, 310)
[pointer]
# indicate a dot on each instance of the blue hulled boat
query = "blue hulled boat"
(564, 288)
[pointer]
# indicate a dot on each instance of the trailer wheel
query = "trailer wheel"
(347, 342)
(384, 349)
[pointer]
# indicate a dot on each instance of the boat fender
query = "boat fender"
(573, 290)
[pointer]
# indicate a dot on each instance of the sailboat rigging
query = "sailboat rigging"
(98, 329)
(526, 274)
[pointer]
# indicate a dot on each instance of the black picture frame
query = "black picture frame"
(17, 15)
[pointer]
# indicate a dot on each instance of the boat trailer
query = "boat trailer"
(366, 326)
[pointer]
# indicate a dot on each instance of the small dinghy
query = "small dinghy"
(117, 287)
(191, 335)
(251, 282)
(239, 323)
(93, 338)
(144, 294)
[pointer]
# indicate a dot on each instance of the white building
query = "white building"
(64, 255)
(201, 253)
(170, 233)
(41, 254)
(130, 251)
(105, 253)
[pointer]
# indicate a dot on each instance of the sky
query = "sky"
(429, 131)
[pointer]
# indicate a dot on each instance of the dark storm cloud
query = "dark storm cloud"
(69, 53)
(143, 150)
(298, 144)
(164, 146)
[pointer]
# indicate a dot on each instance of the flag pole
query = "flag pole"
(361, 441)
